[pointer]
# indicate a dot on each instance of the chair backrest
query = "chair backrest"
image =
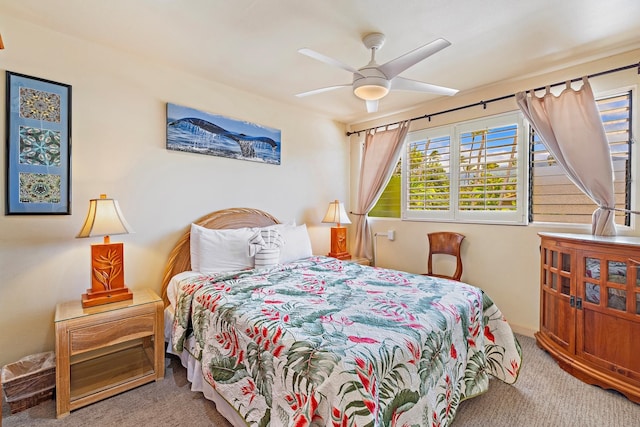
(445, 242)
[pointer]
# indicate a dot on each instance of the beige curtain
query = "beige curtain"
(380, 156)
(571, 129)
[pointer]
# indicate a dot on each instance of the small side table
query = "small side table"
(107, 349)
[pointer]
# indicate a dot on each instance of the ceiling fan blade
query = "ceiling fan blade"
(323, 89)
(327, 60)
(400, 83)
(401, 63)
(372, 106)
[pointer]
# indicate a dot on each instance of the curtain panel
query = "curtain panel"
(570, 127)
(379, 157)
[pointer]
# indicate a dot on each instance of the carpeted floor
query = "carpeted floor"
(544, 395)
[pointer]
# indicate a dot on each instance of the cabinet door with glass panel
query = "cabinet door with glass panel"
(609, 313)
(557, 299)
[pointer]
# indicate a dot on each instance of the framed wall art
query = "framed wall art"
(195, 131)
(38, 152)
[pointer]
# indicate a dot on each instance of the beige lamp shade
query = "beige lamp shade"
(104, 219)
(336, 214)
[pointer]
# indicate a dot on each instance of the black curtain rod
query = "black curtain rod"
(484, 103)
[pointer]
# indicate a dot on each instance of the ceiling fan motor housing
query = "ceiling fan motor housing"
(370, 84)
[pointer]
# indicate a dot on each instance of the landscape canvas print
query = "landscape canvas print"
(199, 132)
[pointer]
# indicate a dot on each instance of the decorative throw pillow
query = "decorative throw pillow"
(265, 245)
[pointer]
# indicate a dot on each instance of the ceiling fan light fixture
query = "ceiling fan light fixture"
(371, 92)
(371, 88)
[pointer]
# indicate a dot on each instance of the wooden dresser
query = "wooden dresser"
(590, 308)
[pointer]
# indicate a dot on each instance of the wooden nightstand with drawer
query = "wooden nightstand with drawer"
(107, 349)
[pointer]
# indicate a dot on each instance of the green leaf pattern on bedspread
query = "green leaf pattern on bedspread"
(325, 342)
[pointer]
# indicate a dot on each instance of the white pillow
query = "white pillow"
(214, 251)
(194, 245)
(197, 231)
(297, 244)
(278, 227)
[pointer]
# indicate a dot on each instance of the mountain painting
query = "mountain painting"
(195, 131)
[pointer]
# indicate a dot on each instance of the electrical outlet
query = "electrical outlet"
(391, 235)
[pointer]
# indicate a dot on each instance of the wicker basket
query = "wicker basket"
(30, 401)
(29, 381)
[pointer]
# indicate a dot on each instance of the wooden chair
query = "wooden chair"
(445, 242)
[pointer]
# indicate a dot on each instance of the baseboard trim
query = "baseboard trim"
(522, 330)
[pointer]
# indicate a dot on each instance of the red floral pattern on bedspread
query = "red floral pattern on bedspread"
(325, 342)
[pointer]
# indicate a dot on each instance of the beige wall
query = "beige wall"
(502, 260)
(118, 136)
(118, 148)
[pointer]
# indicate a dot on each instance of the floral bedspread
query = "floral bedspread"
(325, 342)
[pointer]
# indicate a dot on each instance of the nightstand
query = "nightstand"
(107, 349)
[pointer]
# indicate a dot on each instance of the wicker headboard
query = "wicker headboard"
(180, 256)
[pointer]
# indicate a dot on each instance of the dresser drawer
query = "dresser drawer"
(109, 333)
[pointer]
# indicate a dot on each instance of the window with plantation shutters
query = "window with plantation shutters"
(428, 163)
(554, 198)
(471, 171)
(488, 169)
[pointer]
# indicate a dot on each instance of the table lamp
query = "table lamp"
(107, 259)
(336, 214)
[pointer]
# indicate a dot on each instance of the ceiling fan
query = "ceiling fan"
(373, 82)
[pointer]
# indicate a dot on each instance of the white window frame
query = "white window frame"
(453, 214)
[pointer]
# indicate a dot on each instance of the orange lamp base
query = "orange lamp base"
(91, 299)
(107, 275)
(343, 255)
(339, 243)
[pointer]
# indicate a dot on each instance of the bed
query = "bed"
(312, 340)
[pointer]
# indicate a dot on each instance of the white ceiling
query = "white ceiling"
(252, 44)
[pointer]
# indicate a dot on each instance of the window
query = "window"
(388, 206)
(429, 171)
(479, 177)
(554, 198)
